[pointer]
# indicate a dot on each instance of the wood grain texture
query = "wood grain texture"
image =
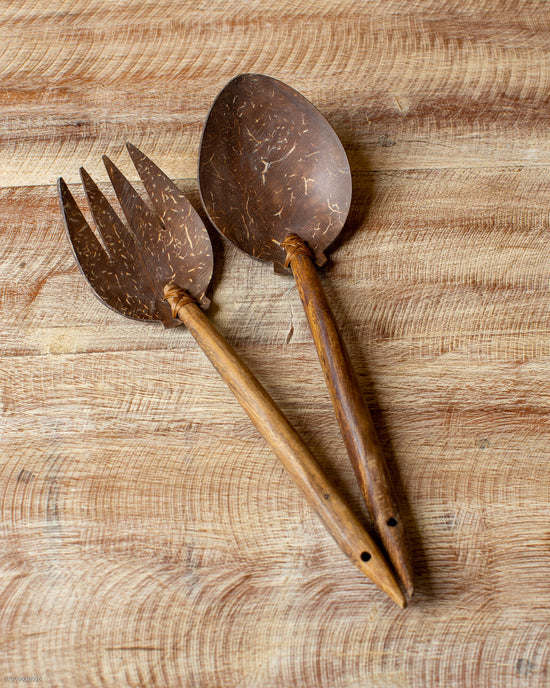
(149, 538)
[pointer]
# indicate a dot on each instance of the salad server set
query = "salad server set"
(274, 179)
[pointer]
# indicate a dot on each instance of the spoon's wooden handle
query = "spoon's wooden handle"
(320, 493)
(351, 410)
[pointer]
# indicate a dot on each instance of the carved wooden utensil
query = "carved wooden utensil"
(275, 180)
(139, 266)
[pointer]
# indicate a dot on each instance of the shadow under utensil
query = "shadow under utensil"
(363, 191)
(362, 180)
(422, 581)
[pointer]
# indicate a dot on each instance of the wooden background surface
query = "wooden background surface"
(149, 537)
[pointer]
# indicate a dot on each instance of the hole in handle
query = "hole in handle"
(392, 522)
(365, 556)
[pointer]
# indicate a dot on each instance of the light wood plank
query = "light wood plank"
(415, 89)
(149, 537)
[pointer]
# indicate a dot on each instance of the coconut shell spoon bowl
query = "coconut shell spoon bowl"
(275, 180)
(158, 268)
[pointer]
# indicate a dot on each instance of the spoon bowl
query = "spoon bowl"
(270, 163)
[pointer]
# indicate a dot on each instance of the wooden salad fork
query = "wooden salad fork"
(158, 268)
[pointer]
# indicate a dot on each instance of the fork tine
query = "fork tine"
(140, 218)
(118, 240)
(169, 202)
(94, 262)
(88, 251)
(114, 282)
(121, 247)
(185, 233)
(143, 222)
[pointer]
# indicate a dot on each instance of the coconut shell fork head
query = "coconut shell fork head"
(129, 268)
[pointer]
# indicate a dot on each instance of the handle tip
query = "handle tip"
(393, 537)
(376, 568)
(397, 596)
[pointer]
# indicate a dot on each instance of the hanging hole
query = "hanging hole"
(392, 522)
(365, 556)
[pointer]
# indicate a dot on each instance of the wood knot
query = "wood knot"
(177, 297)
(294, 247)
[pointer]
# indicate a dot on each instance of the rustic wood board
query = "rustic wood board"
(149, 537)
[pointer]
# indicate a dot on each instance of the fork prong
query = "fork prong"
(185, 233)
(119, 243)
(140, 218)
(94, 262)
(169, 202)
(88, 251)
(143, 222)
(116, 283)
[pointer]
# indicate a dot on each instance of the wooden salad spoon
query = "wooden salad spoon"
(275, 180)
(158, 269)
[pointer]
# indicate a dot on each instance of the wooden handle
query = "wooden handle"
(320, 493)
(351, 410)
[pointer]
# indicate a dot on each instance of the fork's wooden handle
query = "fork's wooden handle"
(351, 410)
(320, 493)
